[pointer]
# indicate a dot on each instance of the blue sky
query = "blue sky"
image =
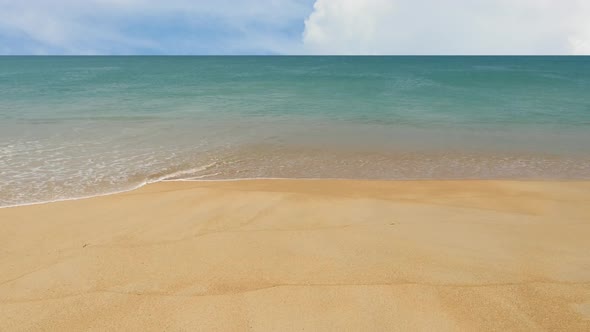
(294, 27)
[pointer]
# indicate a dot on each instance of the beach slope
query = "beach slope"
(283, 255)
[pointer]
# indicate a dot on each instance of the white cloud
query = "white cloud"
(448, 27)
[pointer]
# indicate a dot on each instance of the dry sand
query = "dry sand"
(282, 255)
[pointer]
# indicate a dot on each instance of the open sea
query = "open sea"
(74, 127)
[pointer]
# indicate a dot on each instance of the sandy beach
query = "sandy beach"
(293, 255)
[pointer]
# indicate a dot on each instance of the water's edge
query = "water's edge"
(286, 179)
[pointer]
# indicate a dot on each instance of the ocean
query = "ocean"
(73, 127)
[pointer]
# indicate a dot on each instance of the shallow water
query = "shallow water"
(81, 126)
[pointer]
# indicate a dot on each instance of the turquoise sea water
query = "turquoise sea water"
(81, 126)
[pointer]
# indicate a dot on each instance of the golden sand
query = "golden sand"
(281, 255)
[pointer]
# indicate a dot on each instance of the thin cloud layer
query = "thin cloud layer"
(448, 27)
(151, 27)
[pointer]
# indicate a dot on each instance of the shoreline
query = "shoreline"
(68, 180)
(292, 254)
(139, 186)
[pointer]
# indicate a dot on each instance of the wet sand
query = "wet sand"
(280, 255)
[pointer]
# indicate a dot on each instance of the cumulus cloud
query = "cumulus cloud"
(448, 27)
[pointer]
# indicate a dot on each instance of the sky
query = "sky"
(356, 27)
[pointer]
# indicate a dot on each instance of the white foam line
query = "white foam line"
(194, 178)
(187, 171)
